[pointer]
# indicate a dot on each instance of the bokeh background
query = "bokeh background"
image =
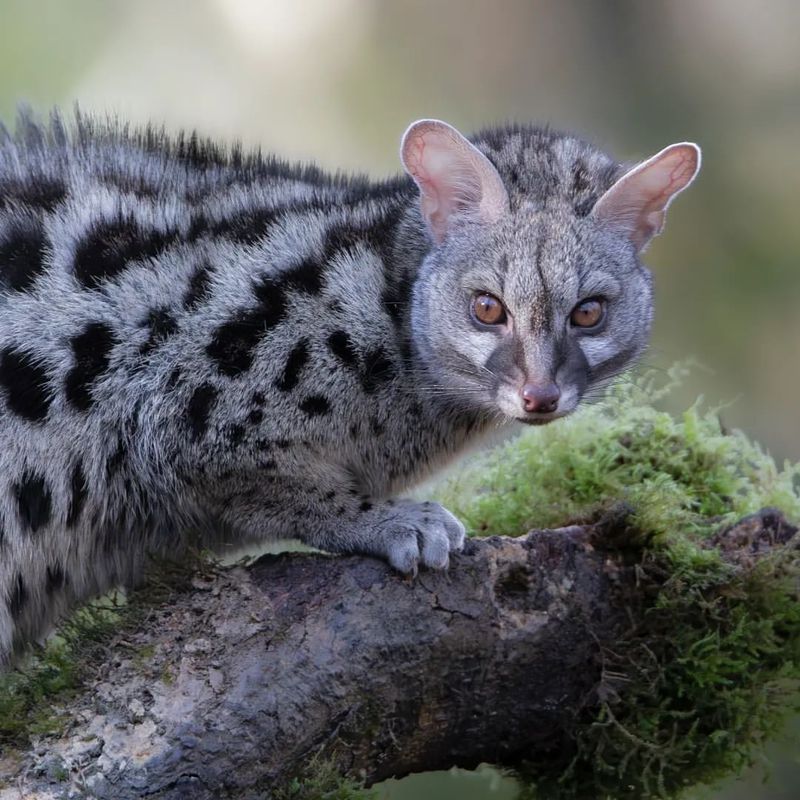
(337, 81)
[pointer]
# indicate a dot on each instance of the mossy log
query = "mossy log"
(258, 673)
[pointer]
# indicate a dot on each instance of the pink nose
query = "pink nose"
(542, 398)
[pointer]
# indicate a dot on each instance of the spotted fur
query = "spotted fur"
(194, 341)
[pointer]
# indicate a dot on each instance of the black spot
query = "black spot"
(112, 244)
(365, 505)
(330, 495)
(199, 225)
(131, 183)
(173, 378)
(315, 405)
(77, 494)
(297, 359)
(283, 444)
(162, 325)
(92, 350)
(378, 236)
(38, 191)
(248, 227)
(305, 277)
(258, 398)
(354, 431)
(233, 343)
(25, 385)
(255, 416)
(236, 434)
(199, 287)
(396, 299)
(341, 511)
(580, 177)
(341, 237)
(22, 256)
(18, 598)
(341, 346)
(55, 579)
(117, 458)
(268, 464)
(199, 409)
(378, 369)
(34, 502)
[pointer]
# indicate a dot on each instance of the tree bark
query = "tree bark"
(259, 671)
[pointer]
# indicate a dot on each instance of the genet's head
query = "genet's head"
(533, 291)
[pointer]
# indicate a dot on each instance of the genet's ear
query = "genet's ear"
(453, 176)
(637, 203)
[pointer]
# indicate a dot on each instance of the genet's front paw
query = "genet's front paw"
(411, 534)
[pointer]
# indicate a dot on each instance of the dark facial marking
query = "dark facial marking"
(21, 256)
(113, 244)
(199, 288)
(78, 489)
(25, 385)
(315, 405)
(34, 502)
(162, 325)
(505, 357)
(297, 359)
(200, 406)
(378, 369)
(18, 598)
(92, 351)
(572, 366)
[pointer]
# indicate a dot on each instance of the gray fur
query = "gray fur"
(130, 425)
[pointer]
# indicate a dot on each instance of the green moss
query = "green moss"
(711, 667)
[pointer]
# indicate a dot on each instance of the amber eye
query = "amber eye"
(588, 313)
(486, 308)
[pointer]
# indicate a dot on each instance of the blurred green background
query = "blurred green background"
(338, 80)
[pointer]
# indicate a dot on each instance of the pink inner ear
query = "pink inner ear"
(452, 176)
(638, 201)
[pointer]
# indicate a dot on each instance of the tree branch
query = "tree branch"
(244, 679)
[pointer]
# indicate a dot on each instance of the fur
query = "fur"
(196, 342)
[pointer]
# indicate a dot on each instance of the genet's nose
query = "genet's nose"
(542, 398)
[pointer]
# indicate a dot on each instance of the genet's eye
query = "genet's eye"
(487, 309)
(588, 313)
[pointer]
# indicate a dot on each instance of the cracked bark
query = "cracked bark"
(240, 682)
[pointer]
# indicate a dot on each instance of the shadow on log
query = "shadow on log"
(257, 671)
